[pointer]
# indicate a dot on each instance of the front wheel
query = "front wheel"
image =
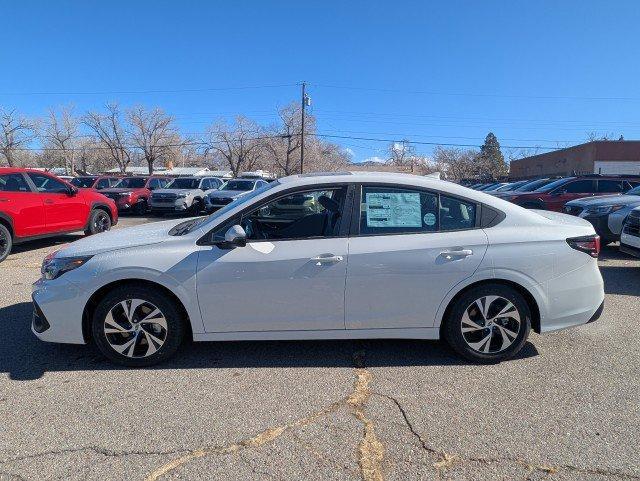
(488, 323)
(6, 242)
(137, 326)
(141, 207)
(99, 221)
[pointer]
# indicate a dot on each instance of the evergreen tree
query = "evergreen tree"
(490, 160)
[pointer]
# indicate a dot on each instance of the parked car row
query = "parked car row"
(606, 201)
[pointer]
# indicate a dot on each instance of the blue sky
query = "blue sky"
(536, 73)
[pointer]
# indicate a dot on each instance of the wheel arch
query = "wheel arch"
(530, 299)
(8, 223)
(93, 301)
(102, 206)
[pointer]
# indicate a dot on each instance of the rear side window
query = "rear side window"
(579, 187)
(456, 214)
(13, 183)
(612, 186)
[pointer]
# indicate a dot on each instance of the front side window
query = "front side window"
(44, 183)
(385, 210)
(13, 183)
(302, 215)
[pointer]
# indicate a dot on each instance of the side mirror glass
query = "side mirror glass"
(235, 236)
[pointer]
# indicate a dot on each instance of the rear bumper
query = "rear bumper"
(575, 298)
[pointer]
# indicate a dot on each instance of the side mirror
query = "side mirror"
(235, 237)
(72, 191)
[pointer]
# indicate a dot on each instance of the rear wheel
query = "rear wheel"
(488, 323)
(137, 326)
(141, 207)
(6, 242)
(99, 221)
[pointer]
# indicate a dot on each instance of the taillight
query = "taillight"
(589, 244)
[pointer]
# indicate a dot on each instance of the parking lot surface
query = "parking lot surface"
(566, 409)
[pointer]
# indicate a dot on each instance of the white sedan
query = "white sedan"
(328, 256)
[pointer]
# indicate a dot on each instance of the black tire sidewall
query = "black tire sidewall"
(6, 233)
(141, 207)
(92, 218)
(453, 334)
(173, 315)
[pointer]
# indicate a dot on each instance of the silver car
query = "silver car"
(184, 194)
(230, 191)
(605, 212)
(328, 256)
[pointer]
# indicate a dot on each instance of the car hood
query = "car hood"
(174, 191)
(613, 199)
(141, 235)
(119, 190)
(228, 193)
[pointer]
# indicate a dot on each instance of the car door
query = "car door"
(569, 191)
(289, 277)
(22, 204)
(410, 248)
(64, 210)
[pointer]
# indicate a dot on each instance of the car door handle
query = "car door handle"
(456, 254)
(326, 259)
(48, 201)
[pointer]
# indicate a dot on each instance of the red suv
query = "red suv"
(133, 193)
(36, 204)
(553, 196)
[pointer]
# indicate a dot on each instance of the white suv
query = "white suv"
(328, 256)
(184, 194)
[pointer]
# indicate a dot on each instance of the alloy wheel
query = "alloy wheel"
(135, 328)
(490, 324)
(101, 223)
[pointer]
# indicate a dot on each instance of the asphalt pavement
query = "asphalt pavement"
(566, 409)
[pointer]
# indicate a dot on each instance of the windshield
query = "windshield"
(188, 226)
(492, 187)
(83, 181)
(183, 184)
(509, 187)
(533, 185)
(243, 185)
(131, 183)
(553, 185)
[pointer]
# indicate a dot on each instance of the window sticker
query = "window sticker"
(392, 209)
(429, 219)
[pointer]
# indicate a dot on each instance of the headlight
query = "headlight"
(53, 267)
(602, 209)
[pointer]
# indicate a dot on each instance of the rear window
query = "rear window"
(243, 185)
(552, 185)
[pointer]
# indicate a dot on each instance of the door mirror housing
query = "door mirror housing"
(235, 237)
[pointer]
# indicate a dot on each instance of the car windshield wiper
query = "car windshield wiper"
(186, 227)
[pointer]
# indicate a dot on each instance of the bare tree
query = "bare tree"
(236, 144)
(15, 133)
(153, 132)
(456, 163)
(109, 129)
(60, 135)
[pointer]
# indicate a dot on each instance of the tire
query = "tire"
(6, 242)
(197, 207)
(124, 339)
(466, 314)
(140, 208)
(99, 221)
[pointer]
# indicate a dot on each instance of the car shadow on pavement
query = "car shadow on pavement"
(24, 357)
(619, 279)
(42, 243)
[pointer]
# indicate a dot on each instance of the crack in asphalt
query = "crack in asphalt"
(448, 460)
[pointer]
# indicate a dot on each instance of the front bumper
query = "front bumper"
(630, 244)
(58, 304)
(180, 205)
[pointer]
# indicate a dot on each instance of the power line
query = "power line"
(471, 94)
(159, 91)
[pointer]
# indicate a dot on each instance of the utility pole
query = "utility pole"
(304, 103)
